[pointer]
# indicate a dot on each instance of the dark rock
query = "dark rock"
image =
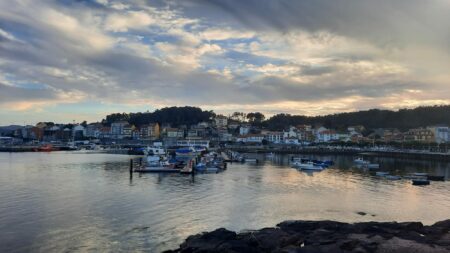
(361, 213)
(326, 236)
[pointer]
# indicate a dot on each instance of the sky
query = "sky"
(75, 60)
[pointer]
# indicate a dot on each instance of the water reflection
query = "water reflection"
(88, 202)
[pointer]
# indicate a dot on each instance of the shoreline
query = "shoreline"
(325, 236)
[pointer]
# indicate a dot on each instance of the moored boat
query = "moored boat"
(307, 166)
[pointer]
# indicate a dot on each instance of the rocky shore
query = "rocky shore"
(326, 236)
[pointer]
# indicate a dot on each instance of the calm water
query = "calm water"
(55, 202)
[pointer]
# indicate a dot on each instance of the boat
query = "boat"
(393, 177)
(155, 151)
(420, 174)
(185, 152)
(307, 166)
(420, 182)
(382, 173)
(359, 160)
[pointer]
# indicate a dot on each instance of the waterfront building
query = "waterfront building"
(250, 138)
(188, 142)
(327, 135)
(274, 137)
(150, 132)
(117, 129)
(441, 133)
(420, 135)
(93, 130)
(78, 132)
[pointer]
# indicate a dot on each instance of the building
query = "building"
(193, 143)
(250, 138)
(117, 129)
(221, 121)
(327, 136)
(78, 132)
(441, 133)
(244, 129)
(274, 137)
(150, 132)
(93, 130)
(174, 133)
(420, 135)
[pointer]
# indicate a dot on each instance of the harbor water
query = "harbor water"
(74, 202)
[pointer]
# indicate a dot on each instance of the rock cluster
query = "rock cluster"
(326, 236)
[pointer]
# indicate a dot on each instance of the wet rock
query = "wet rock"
(326, 236)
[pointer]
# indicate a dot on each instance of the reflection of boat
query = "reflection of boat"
(45, 148)
(420, 182)
(436, 178)
(359, 160)
(307, 166)
(373, 166)
(251, 160)
(164, 169)
(392, 177)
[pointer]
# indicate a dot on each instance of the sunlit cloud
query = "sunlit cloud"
(297, 57)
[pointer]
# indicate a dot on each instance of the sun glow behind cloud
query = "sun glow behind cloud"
(272, 56)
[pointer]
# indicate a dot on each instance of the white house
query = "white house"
(292, 132)
(326, 136)
(274, 137)
(244, 129)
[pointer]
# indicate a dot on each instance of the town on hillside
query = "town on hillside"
(219, 130)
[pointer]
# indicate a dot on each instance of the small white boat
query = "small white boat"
(382, 173)
(420, 174)
(251, 160)
(359, 160)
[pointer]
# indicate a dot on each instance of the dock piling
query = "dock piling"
(131, 166)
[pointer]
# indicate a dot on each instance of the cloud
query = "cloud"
(289, 56)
